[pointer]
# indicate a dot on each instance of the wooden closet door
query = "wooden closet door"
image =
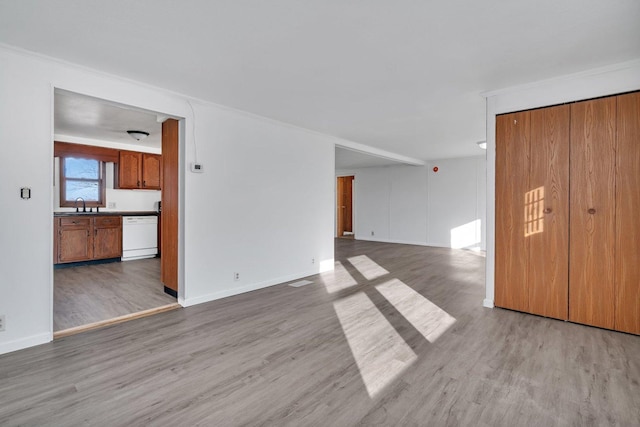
(627, 283)
(547, 223)
(592, 218)
(512, 185)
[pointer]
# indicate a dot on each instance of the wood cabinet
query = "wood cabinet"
(151, 171)
(87, 238)
(567, 199)
(139, 171)
(74, 239)
(107, 237)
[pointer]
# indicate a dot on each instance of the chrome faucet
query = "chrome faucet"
(84, 206)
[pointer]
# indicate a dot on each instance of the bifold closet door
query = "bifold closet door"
(592, 199)
(512, 185)
(547, 210)
(627, 289)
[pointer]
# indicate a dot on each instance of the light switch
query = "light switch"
(25, 193)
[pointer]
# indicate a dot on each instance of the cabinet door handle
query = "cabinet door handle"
(592, 211)
(547, 210)
(138, 184)
(144, 183)
(95, 232)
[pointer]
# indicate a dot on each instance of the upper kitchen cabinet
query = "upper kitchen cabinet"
(151, 171)
(142, 171)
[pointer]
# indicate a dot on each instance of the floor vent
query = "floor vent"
(300, 283)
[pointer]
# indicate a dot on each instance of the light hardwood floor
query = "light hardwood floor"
(92, 293)
(397, 335)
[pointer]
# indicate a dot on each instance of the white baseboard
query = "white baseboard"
(22, 343)
(401, 242)
(247, 288)
(487, 303)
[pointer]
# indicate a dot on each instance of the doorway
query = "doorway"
(97, 287)
(344, 205)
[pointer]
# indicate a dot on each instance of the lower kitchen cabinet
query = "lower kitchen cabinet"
(87, 238)
(74, 241)
(107, 237)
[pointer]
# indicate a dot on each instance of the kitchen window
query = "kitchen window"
(82, 177)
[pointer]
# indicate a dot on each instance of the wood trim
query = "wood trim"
(67, 149)
(101, 324)
(170, 202)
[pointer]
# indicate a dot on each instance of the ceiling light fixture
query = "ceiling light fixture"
(482, 144)
(138, 134)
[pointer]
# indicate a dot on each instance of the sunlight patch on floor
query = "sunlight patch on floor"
(379, 351)
(429, 319)
(339, 279)
(367, 267)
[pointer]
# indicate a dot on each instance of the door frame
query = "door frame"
(353, 203)
(178, 185)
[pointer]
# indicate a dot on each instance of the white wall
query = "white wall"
(456, 207)
(263, 207)
(414, 205)
(610, 80)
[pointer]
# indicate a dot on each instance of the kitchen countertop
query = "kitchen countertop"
(107, 213)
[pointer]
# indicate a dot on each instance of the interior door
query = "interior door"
(548, 212)
(344, 205)
(627, 284)
(340, 211)
(347, 202)
(592, 217)
(512, 190)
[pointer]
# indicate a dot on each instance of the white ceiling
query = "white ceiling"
(402, 76)
(349, 159)
(86, 117)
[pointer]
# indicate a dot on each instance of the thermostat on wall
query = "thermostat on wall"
(197, 167)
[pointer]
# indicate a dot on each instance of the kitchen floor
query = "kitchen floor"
(93, 293)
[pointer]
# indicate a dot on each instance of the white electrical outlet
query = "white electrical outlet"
(236, 277)
(373, 233)
(3, 323)
(111, 205)
(313, 260)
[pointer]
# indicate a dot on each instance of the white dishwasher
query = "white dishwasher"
(139, 237)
